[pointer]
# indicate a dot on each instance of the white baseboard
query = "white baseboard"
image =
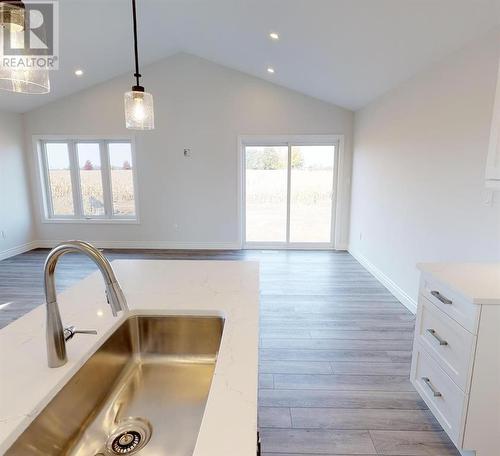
(398, 292)
(13, 251)
(162, 245)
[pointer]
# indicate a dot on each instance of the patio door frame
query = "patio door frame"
(289, 142)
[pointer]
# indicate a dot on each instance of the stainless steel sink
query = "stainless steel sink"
(142, 392)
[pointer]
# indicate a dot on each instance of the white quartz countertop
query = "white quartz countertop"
(479, 283)
(223, 288)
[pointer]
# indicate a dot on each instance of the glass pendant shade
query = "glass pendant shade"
(12, 15)
(19, 79)
(25, 80)
(139, 111)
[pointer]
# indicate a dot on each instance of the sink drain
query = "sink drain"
(126, 442)
(129, 436)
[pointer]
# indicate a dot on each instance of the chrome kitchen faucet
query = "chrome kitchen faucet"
(57, 336)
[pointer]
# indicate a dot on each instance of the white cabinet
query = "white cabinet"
(493, 161)
(456, 353)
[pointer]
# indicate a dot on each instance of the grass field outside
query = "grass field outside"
(266, 201)
(122, 183)
(310, 205)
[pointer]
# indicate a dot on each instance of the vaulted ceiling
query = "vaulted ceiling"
(346, 52)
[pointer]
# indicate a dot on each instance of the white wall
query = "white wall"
(15, 209)
(418, 174)
(200, 105)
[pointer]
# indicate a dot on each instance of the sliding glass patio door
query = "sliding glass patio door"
(289, 195)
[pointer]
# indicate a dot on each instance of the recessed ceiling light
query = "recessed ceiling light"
(270, 70)
(274, 36)
(78, 72)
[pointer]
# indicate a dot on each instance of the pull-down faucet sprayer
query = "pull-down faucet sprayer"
(56, 334)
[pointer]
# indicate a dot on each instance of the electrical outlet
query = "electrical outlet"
(187, 152)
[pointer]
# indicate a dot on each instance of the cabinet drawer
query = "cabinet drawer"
(446, 341)
(445, 399)
(451, 303)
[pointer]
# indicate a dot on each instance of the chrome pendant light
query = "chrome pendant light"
(19, 79)
(139, 111)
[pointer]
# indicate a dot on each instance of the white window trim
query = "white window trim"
(44, 198)
(339, 177)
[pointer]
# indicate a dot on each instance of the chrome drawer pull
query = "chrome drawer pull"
(429, 384)
(439, 296)
(434, 334)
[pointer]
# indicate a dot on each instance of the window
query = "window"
(266, 193)
(59, 176)
(122, 179)
(90, 173)
(88, 180)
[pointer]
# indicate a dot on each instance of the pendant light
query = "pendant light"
(12, 15)
(22, 79)
(139, 112)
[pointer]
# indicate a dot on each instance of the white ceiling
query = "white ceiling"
(346, 52)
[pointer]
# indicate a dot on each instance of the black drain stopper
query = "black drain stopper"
(126, 442)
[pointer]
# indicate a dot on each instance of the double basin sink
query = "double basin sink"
(142, 392)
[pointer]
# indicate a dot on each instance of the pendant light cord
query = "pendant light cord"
(136, 52)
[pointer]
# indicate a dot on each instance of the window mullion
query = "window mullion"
(75, 180)
(335, 192)
(288, 192)
(106, 179)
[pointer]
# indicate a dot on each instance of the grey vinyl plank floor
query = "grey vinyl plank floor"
(417, 443)
(366, 356)
(342, 382)
(319, 367)
(317, 441)
(335, 351)
(338, 344)
(357, 400)
(373, 419)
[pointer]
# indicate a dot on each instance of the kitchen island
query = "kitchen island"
(203, 288)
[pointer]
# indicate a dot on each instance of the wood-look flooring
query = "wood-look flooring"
(334, 356)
